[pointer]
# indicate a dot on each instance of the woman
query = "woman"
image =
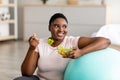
(45, 57)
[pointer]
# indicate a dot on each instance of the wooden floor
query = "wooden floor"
(12, 54)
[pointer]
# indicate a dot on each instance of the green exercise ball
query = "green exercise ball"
(98, 65)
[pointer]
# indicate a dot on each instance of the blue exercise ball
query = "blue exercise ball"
(98, 65)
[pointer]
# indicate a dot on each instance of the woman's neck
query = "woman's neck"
(56, 42)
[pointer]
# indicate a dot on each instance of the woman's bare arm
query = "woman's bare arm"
(30, 62)
(89, 44)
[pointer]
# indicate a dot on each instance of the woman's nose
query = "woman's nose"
(61, 28)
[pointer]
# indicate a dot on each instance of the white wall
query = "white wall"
(113, 12)
(115, 9)
(20, 12)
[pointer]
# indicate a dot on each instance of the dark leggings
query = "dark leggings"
(27, 78)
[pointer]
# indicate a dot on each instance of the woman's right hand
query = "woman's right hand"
(33, 41)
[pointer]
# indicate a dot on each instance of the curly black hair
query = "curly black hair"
(57, 15)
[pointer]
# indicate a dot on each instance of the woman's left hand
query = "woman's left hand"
(75, 53)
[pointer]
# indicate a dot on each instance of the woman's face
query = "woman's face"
(58, 29)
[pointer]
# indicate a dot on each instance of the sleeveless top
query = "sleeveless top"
(51, 64)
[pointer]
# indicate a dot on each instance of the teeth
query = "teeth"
(60, 34)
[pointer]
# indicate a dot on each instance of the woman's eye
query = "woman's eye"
(56, 26)
(65, 26)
